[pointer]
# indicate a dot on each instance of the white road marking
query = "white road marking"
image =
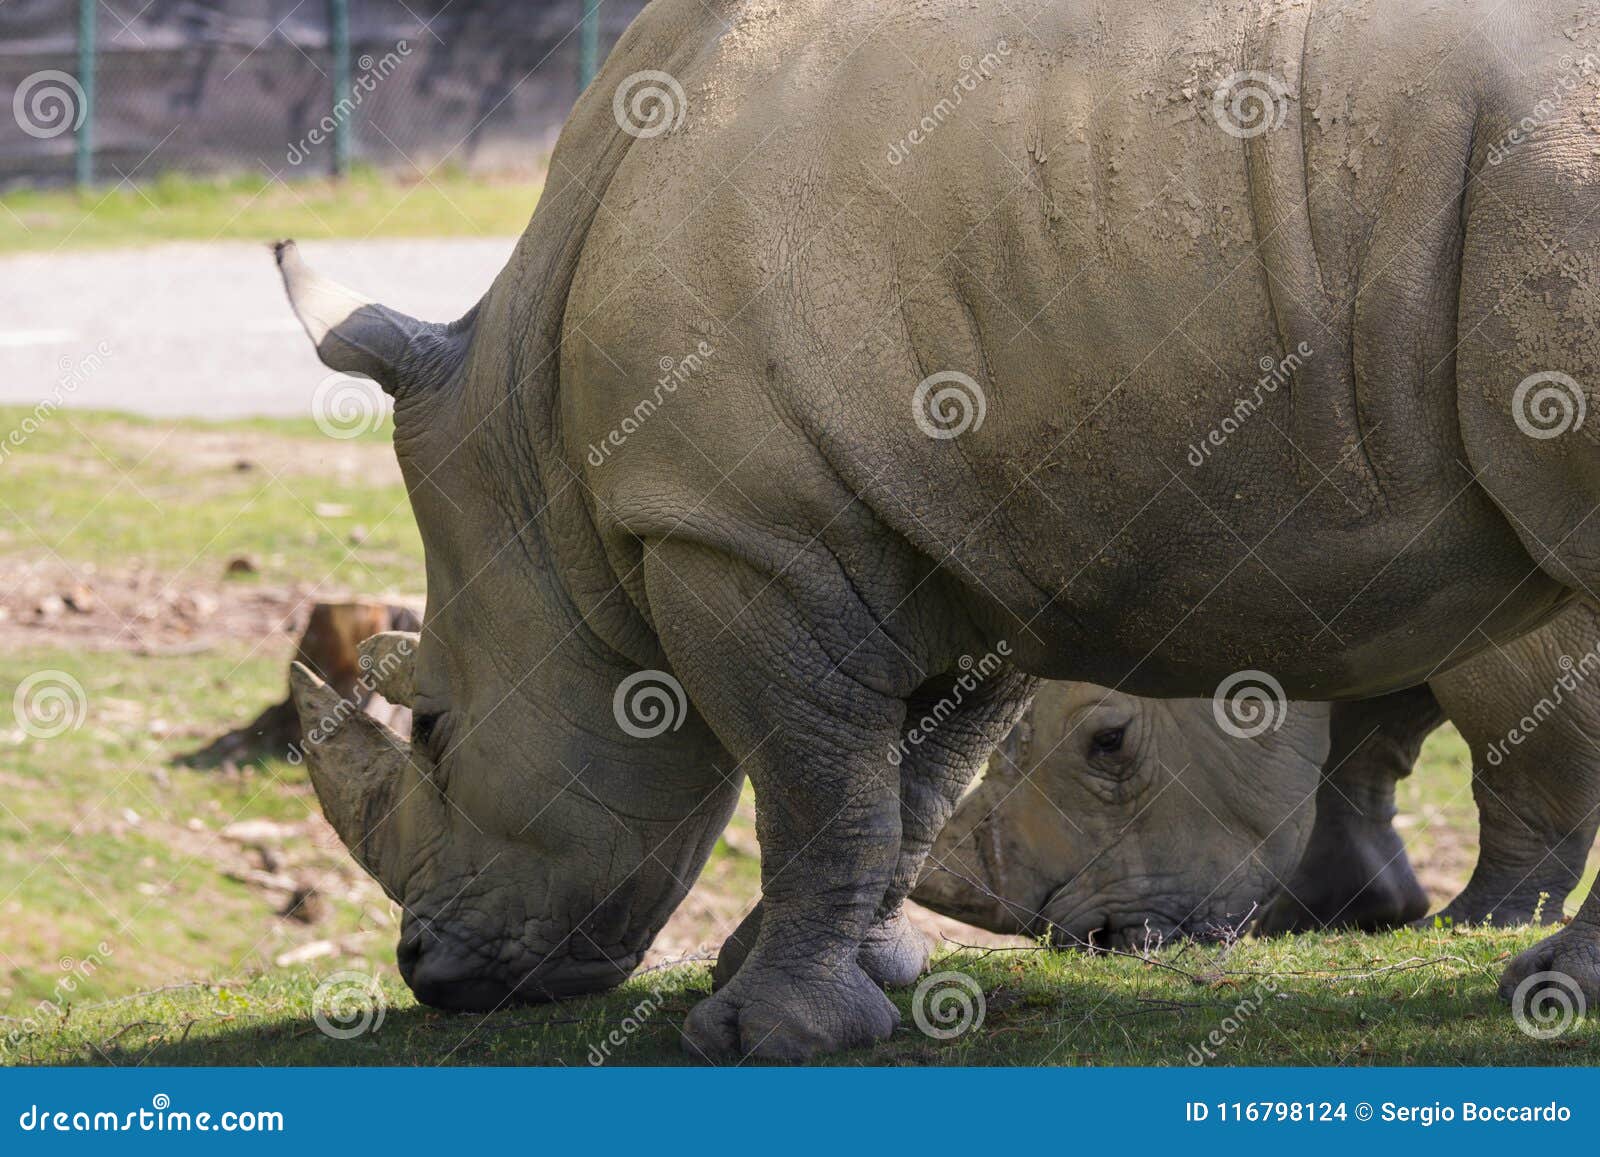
(22, 338)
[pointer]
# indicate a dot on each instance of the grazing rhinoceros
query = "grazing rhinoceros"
(1111, 820)
(824, 372)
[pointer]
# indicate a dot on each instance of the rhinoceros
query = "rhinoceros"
(1113, 821)
(854, 348)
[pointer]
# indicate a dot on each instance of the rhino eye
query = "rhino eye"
(1107, 741)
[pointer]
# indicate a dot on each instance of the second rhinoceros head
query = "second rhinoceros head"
(1107, 820)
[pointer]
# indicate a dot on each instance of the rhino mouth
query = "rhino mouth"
(1097, 928)
(445, 975)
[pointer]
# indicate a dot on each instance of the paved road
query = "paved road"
(203, 329)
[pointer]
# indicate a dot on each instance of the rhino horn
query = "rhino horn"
(356, 335)
(357, 767)
(389, 660)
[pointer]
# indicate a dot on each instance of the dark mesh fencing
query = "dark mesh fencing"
(248, 85)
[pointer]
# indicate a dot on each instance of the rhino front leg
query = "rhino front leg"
(802, 685)
(952, 725)
(893, 952)
(1355, 873)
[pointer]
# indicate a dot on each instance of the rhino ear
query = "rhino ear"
(356, 335)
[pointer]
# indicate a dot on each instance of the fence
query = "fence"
(106, 90)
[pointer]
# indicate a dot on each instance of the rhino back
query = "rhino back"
(1113, 272)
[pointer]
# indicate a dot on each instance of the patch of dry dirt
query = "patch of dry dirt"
(143, 610)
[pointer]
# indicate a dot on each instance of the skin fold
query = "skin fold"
(1109, 267)
(1114, 821)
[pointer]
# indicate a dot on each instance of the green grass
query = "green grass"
(1408, 998)
(110, 854)
(187, 497)
(448, 203)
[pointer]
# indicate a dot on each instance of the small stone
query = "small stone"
(196, 606)
(242, 564)
(80, 600)
(315, 950)
(358, 534)
(260, 831)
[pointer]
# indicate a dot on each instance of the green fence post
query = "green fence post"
(589, 43)
(339, 19)
(86, 67)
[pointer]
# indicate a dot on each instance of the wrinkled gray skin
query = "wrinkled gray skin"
(1115, 821)
(1110, 267)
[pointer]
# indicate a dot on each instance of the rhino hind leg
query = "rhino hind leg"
(1524, 873)
(1355, 873)
(1537, 787)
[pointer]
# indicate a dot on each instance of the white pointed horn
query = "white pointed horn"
(389, 665)
(352, 333)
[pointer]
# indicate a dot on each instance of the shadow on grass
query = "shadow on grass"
(1038, 1009)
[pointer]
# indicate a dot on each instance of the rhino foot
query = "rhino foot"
(1474, 908)
(893, 953)
(1554, 984)
(774, 1015)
